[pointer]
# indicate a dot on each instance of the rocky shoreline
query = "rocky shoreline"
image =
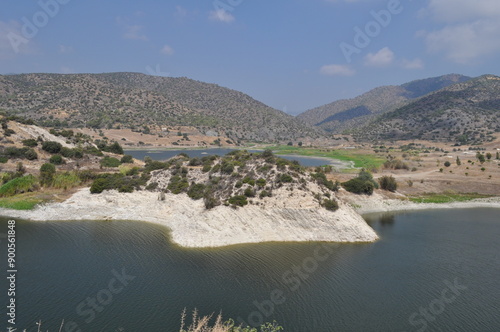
(193, 226)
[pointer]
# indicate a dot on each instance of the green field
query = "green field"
(20, 202)
(446, 198)
(360, 160)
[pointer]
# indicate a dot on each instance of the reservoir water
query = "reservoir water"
(430, 271)
(166, 154)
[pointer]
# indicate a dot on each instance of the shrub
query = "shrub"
(285, 178)
(388, 183)
(47, 172)
(127, 159)
(265, 193)
(359, 186)
(261, 183)
(117, 181)
(109, 162)
(210, 201)
(227, 167)
(56, 160)
(194, 161)
(115, 148)
(177, 184)
(196, 191)
(249, 192)
(71, 153)
(86, 175)
(447, 164)
(330, 204)
(52, 147)
(66, 180)
(31, 154)
(31, 143)
(238, 200)
(206, 168)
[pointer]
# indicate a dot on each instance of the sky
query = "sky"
(292, 55)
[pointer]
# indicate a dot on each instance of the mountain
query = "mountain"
(348, 114)
(467, 112)
(135, 100)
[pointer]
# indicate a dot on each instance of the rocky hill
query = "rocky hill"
(467, 112)
(142, 102)
(344, 115)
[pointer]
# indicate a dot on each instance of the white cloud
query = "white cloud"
(463, 43)
(131, 31)
(413, 64)
(65, 49)
(180, 12)
(470, 29)
(453, 11)
(220, 15)
(382, 58)
(167, 50)
(12, 40)
(337, 70)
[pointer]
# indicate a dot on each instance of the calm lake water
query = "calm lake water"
(166, 154)
(431, 271)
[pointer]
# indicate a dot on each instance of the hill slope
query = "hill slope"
(467, 112)
(136, 100)
(352, 113)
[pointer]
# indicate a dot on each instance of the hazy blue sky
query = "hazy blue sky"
(290, 54)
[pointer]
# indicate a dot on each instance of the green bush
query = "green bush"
(31, 143)
(196, 191)
(359, 186)
(66, 180)
(285, 178)
(127, 159)
(261, 183)
(52, 147)
(31, 154)
(177, 184)
(19, 185)
(47, 172)
(71, 153)
(238, 200)
(330, 204)
(56, 160)
(249, 192)
(265, 193)
(109, 162)
(388, 183)
(118, 182)
(447, 164)
(115, 147)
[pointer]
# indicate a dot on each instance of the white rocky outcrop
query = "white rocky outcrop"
(272, 219)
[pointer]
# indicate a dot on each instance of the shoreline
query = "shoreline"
(192, 226)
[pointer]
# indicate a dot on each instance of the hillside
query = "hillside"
(347, 114)
(467, 112)
(145, 103)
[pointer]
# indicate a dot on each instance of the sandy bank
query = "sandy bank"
(378, 203)
(193, 226)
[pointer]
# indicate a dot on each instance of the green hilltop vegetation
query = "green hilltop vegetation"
(138, 101)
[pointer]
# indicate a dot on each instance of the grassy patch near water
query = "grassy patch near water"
(446, 198)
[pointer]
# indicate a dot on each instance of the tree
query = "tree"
(56, 159)
(480, 157)
(47, 172)
(488, 156)
(498, 155)
(459, 162)
(447, 164)
(388, 183)
(51, 147)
